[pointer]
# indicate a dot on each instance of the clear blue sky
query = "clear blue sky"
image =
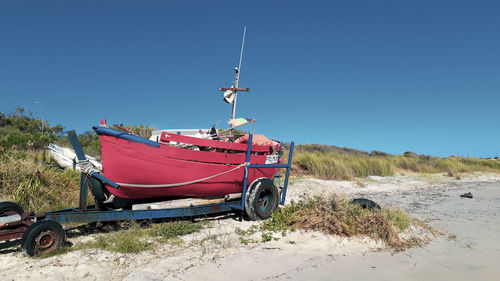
(394, 76)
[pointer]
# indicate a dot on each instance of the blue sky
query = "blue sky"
(394, 76)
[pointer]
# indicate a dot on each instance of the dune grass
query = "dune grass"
(339, 166)
(25, 180)
(331, 162)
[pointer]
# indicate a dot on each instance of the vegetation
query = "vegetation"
(332, 162)
(334, 215)
(451, 237)
(36, 187)
(140, 130)
(25, 180)
(136, 239)
(18, 130)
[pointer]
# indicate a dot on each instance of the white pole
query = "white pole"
(238, 70)
(242, 46)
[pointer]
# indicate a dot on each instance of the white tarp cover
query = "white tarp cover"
(66, 157)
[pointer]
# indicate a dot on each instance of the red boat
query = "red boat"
(183, 166)
(180, 166)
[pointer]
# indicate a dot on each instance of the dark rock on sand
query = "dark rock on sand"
(466, 195)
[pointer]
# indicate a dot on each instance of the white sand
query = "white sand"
(217, 254)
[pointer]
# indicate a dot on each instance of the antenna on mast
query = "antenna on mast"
(230, 94)
(242, 46)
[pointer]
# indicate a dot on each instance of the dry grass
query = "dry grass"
(331, 162)
(339, 166)
(335, 216)
(26, 181)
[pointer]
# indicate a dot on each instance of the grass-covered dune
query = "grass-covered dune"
(332, 162)
(27, 180)
(24, 178)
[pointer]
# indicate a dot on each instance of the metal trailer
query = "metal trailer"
(42, 233)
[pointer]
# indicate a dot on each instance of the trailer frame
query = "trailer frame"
(85, 214)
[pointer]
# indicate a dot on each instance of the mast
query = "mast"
(238, 70)
(234, 89)
(237, 74)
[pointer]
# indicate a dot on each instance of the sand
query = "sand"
(467, 249)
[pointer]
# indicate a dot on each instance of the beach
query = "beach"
(464, 244)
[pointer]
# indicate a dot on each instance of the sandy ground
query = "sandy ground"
(468, 249)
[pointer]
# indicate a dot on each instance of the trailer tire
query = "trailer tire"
(262, 199)
(10, 207)
(366, 204)
(42, 237)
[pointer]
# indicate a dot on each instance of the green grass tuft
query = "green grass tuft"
(135, 239)
(397, 218)
(171, 230)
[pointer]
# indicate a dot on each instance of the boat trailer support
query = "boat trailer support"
(241, 206)
(253, 166)
(83, 193)
(80, 155)
(77, 216)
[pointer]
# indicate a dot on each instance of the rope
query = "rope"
(89, 170)
(183, 183)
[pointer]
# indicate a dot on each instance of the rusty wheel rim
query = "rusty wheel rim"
(8, 212)
(46, 241)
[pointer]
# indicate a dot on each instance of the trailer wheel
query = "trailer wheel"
(10, 208)
(261, 200)
(42, 237)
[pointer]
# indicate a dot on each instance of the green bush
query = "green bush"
(24, 131)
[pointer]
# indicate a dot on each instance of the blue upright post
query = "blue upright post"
(285, 185)
(80, 155)
(245, 178)
(76, 146)
(83, 193)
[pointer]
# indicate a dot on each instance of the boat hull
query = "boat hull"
(136, 166)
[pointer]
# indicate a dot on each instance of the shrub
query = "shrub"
(24, 131)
